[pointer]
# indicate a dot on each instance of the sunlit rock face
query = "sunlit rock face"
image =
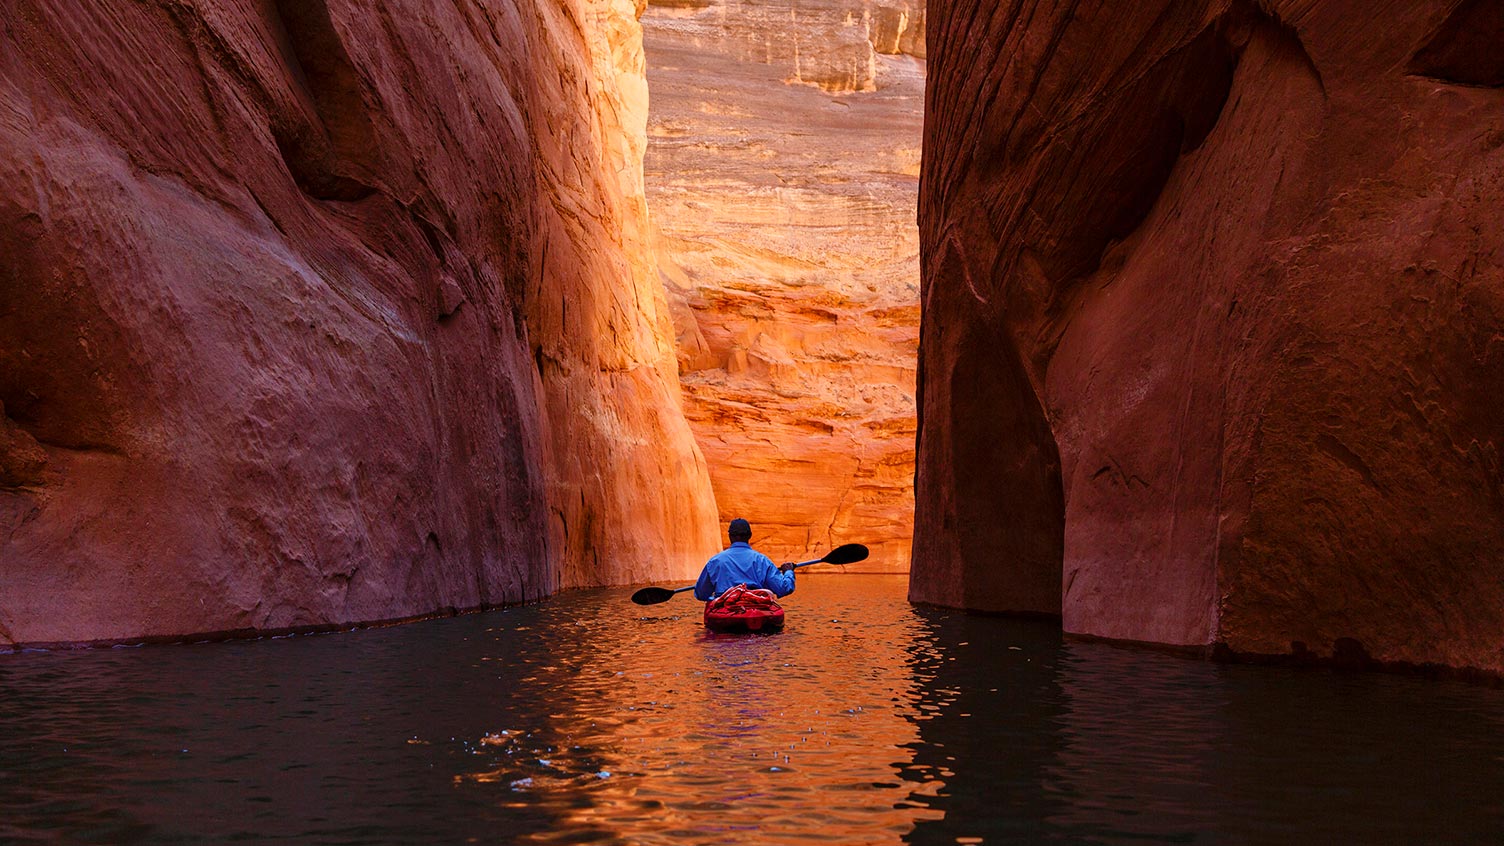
(1212, 323)
(315, 313)
(782, 176)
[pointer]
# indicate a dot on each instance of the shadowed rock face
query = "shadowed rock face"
(784, 207)
(317, 312)
(1212, 345)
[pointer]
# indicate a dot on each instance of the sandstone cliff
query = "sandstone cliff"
(783, 170)
(314, 313)
(1212, 347)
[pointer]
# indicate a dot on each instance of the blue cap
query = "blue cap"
(739, 527)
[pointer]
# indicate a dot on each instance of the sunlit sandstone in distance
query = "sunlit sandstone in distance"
(782, 177)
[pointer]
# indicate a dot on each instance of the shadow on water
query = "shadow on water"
(587, 719)
(328, 739)
(989, 714)
(1040, 740)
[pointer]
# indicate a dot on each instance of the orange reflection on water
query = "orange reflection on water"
(671, 734)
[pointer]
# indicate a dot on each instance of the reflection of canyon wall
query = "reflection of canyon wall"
(782, 171)
(1213, 316)
(277, 284)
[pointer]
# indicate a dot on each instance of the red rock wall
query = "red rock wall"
(277, 283)
(1212, 349)
(629, 490)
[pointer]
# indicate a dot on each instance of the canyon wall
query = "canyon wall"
(318, 313)
(1212, 350)
(783, 176)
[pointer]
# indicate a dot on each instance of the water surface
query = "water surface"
(587, 719)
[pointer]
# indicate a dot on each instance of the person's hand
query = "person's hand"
(787, 566)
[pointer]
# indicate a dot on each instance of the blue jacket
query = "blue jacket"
(740, 564)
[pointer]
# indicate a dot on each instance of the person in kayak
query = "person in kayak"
(740, 564)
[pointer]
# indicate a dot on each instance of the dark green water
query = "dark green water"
(587, 719)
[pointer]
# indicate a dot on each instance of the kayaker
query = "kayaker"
(740, 564)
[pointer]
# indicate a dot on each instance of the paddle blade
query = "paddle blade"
(846, 554)
(652, 595)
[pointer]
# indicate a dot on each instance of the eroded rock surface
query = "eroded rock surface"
(782, 175)
(1212, 341)
(277, 284)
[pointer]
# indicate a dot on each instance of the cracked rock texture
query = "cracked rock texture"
(1212, 348)
(783, 174)
(326, 312)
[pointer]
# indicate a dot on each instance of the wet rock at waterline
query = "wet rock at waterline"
(1212, 323)
(783, 196)
(316, 313)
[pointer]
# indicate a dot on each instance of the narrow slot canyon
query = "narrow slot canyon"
(259, 310)
(1124, 379)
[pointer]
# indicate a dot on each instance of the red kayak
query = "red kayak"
(744, 609)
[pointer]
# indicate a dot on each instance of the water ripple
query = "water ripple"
(586, 719)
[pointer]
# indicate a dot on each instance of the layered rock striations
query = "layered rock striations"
(782, 174)
(322, 313)
(1212, 347)
(630, 495)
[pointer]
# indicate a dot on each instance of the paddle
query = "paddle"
(845, 554)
